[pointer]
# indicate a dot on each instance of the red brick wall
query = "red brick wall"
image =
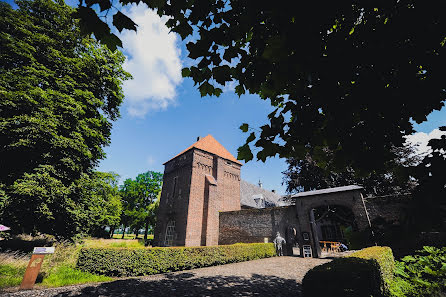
(208, 200)
(174, 206)
(197, 212)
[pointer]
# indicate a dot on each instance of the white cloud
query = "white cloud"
(153, 59)
(421, 139)
(150, 160)
(230, 86)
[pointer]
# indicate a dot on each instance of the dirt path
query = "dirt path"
(278, 276)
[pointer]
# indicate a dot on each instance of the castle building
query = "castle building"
(199, 182)
(204, 202)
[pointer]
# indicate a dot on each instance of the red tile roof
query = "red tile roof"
(210, 145)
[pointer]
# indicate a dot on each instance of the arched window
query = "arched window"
(170, 233)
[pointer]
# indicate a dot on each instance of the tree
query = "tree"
(347, 76)
(99, 192)
(59, 94)
(141, 199)
(430, 196)
(306, 175)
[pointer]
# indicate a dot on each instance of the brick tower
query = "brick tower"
(199, 182)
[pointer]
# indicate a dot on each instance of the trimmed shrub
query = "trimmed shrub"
(141, 261)
(344, 277)
(368, 272)
(384, 256)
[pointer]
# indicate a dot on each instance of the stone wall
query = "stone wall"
(254, 225)
(391, 208)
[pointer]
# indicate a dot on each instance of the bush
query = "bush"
(368, 272)
(143, 261)
(344, 277)
(423, 274)
(384, 256)
(25, 243)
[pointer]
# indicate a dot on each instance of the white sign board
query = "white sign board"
(307, 251)
(43, 250)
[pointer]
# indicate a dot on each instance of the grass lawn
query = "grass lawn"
(131, 236)
(59, 269)
(66, 275)
(12, 268)
(11, 275)
(104, 243)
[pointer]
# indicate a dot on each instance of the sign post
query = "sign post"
(34, 266)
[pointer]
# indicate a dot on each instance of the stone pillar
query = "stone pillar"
(316, 247)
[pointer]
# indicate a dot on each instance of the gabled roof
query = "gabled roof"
(210, 145)
(327, 191)
(249, 193)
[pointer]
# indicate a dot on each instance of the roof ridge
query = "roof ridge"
(211, 145)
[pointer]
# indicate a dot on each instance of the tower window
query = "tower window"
(175, 179)
(170, 233)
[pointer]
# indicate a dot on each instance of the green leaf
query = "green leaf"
(122, 21)
(251, 137)
(239, 90)
(112, 41)
(218, 92)
(206, 89)
(244, 153)
(184, 29)
(244, 127)
(185, 72)
(103, 4)
(222, 74)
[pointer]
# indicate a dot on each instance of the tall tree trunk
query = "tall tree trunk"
(112, 231)
(146, 230)
(123, 232)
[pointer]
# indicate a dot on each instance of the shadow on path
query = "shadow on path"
(185, 284)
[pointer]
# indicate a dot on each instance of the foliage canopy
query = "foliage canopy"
(140, 199)
(351, 77)
(306, 175)
(59, 94)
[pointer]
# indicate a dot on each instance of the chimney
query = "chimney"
(198, 138)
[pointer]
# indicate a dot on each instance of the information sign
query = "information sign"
(307, 251)
(33, 268)
(43, 250)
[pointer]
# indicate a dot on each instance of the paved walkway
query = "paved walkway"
(278, 276)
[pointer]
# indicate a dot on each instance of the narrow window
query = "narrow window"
(174, 186)
(170, 233)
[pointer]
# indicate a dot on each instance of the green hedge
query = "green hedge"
(384, 256)
(133, 262)
(350, 277)
(364, 273)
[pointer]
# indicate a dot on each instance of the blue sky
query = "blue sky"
(163, 113)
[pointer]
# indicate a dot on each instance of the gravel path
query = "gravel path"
(278, 276)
